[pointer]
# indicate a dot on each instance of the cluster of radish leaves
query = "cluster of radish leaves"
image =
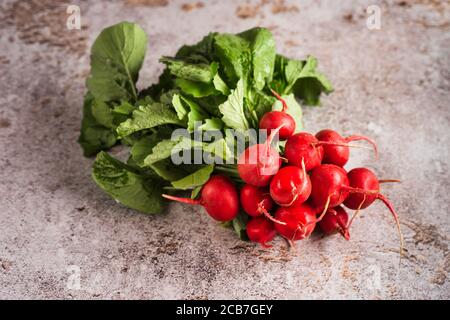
(223, 81)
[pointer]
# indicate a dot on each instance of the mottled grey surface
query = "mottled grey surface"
(392, 84)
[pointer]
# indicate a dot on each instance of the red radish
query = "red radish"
(311, 203)
(336, 148)
(364, 190)
(290, 185)
(363, 179)
(218, 196)
(329, 186)
(305, 147)
(298, 222)
(335, 220)
(258, 163)
(261, 230)
(278, 119)
(253, 197)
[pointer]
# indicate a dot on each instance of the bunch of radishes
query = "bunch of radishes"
(290, 193)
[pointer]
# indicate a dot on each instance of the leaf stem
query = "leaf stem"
(130, 79)
(228, 170)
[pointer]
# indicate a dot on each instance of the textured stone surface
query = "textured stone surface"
(392, 84)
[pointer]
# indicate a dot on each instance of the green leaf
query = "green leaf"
(166, 97)
(165, 83)
(293, 71)
(164, 169)
(311, 83)
(309, 91)
(199, 52)
(233, 109)
(263, 51)
(127, 186)
(259, 102)
(195, 192)
(210, 104)
(196, 113)
(234, 55)
(93, 136)
(294, 109)
(186, 144)
(162, 150)
(197, 80)
(102, 114)
(122, 112)
(240, 225)
(125, 108)
(212, 124)
(179, 107)
(220, 85)
(306, 82)
(220, 149)
(142, 148)
(146, 117)
(309, 71)
(279, 75)
(198, 178)
(165, 148)
(167, 170)
(200, 72)
(196, 89)
(116, 58)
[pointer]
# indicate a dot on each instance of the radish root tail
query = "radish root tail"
(300, 228)
(342, 227)
(304, 167)
(358, 210)
(268, 142)
(362, 191)
(295, 193)
(324, 211)
(388, 180)
(397, 220)
(343, 230)
(267, 214)
(321, 143)
(182, 200)
(321, 215)
(358, 138)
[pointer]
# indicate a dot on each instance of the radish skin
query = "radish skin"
(335, 220)
(261, 230)
(291, 185)
(336, 149)
(364, 189)
(278, 119)
(253, 198)
(258, 163)
(329, 184)
(218, 196)
(303, 147)
(299, 221)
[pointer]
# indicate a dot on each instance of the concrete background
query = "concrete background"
(392, 84)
